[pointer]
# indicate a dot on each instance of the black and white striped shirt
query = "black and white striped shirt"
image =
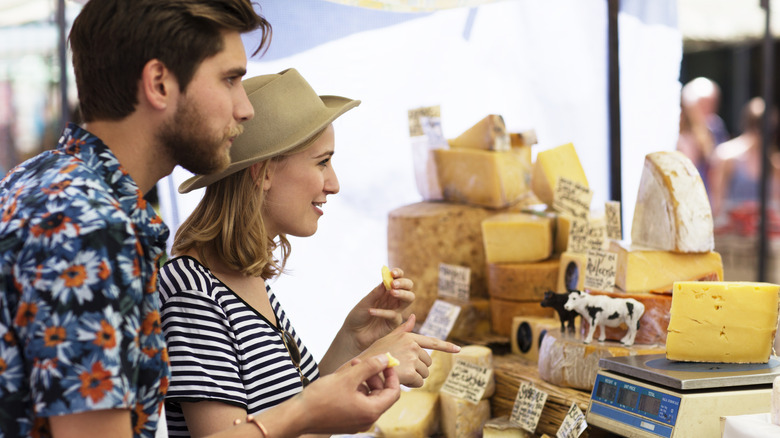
(220, 348)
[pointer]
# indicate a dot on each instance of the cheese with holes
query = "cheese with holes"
(441, 364)
(571, 272)
(552, 164)
(422, 235)
(461, 418)
(564, 360)
(528, 332)
(487, 134)
(503, 311)
(722, 321)
(493, 179)
(642, 269)
(672, 210)
(415, 415)
(652, 324)
(522, 281)
(502, 427)
(517, 238)
(481, 356)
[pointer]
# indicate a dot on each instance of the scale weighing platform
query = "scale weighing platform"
(650, 396)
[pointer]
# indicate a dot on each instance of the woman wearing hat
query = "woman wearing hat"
(233, 351)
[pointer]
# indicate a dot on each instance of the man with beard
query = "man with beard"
(81, 346)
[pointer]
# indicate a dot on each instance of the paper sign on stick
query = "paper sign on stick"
(612, 211)
(601, 270)
(454, 281)
(573, 424)
(528, 407)
(440, 320)
(467, 381)
(572, 197)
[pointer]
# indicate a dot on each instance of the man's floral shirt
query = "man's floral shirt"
(79, 312)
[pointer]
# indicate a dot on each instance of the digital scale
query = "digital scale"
(650, 396)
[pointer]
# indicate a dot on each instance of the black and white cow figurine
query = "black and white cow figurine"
(604, 311)
(557, 301)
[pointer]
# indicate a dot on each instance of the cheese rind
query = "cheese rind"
(502, 427)
(528, 332)
(727, 322)
(461, 418)
(522, 281)
(492, 179)
(552, 164)
(672, 210)
(487, 134)
(441, 364)
(652, 325)
(571, 272)
(503, 311)
(641, 269)
(517, 238)
(414, 415)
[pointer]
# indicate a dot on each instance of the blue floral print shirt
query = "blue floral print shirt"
(79, 312)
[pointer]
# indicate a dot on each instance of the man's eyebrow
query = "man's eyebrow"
(237, 71)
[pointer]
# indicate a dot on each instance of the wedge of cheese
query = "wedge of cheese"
(441, 364)
(461, 418)
(552, 164)
(722, 321)
(641, 269)
(493, 179)
(672, 209)
(488, 134)
(517, 238)
(415, 415)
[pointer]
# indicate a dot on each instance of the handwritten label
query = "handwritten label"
(601, 270)
(573, 424)
(528, 407)
(587, 234)
(417, 114)
(467, 381)
(572, 197)
(597, 234)
(612, 212)
(454, 281)
(440, 320)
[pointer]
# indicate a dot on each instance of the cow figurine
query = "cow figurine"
(557, 301)
(604, 311)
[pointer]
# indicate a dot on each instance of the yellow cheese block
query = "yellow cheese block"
(528, 332)
(672, 210)
(502, 427)
(488, 134)
(522, 281)
(562, 228)
(461, 418)
(483, 357)
(414, 415)
(517, 238)
(503, 311)
(653, 323)
(713, 321)
(564, 360)
(571, 273)
(441, 364)
(552, 164)
(493, 179)
(642, 269)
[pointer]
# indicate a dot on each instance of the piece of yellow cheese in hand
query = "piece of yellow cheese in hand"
(387, 278)
(722, 321)
(392, 361)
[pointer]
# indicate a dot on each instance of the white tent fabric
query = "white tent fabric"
(542, 65)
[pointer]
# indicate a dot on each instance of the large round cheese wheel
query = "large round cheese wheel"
(522, 281)
(502, 312)
(652, 324)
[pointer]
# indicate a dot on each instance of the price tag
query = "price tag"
(454, 281)
(597, 234)
(440, 320)
(528, 407)
(612, 211)
(601, 270)
(572, 197)
(578, 236)
(467, 381)
(573, 424)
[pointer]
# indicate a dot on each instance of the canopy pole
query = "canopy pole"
(768, 61)
(615, 174)
(62, 52)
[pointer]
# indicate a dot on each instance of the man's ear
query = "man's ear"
(157, 84)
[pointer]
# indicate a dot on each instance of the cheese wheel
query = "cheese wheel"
(564, 360)
(423, 235)
(416, 414)
(652, 325)
(527, 335)
(461, 418)
(502, 312)
(522, 281)
(517, 238)
(571, 272)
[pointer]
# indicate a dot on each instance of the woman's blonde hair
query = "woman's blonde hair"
(228, 222)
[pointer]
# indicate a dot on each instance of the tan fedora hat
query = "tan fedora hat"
(288, 112)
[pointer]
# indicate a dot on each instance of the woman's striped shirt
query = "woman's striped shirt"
(220, 348)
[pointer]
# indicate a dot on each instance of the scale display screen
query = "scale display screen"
(651, 404)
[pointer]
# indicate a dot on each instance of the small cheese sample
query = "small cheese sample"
(415, 415)
(392, 361)
(672, 209)
(461, 418)
(722, 321)
(492, 179)
(528, 332)
(517, 238)
(488, 134)
(483, 357)
(441, 364)
(387, 278)
(503, 311)
(502, 427)
(522, 281)
(571, 273)
(642, 269)
(564, 360)
(652, 324)
(552, 164)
